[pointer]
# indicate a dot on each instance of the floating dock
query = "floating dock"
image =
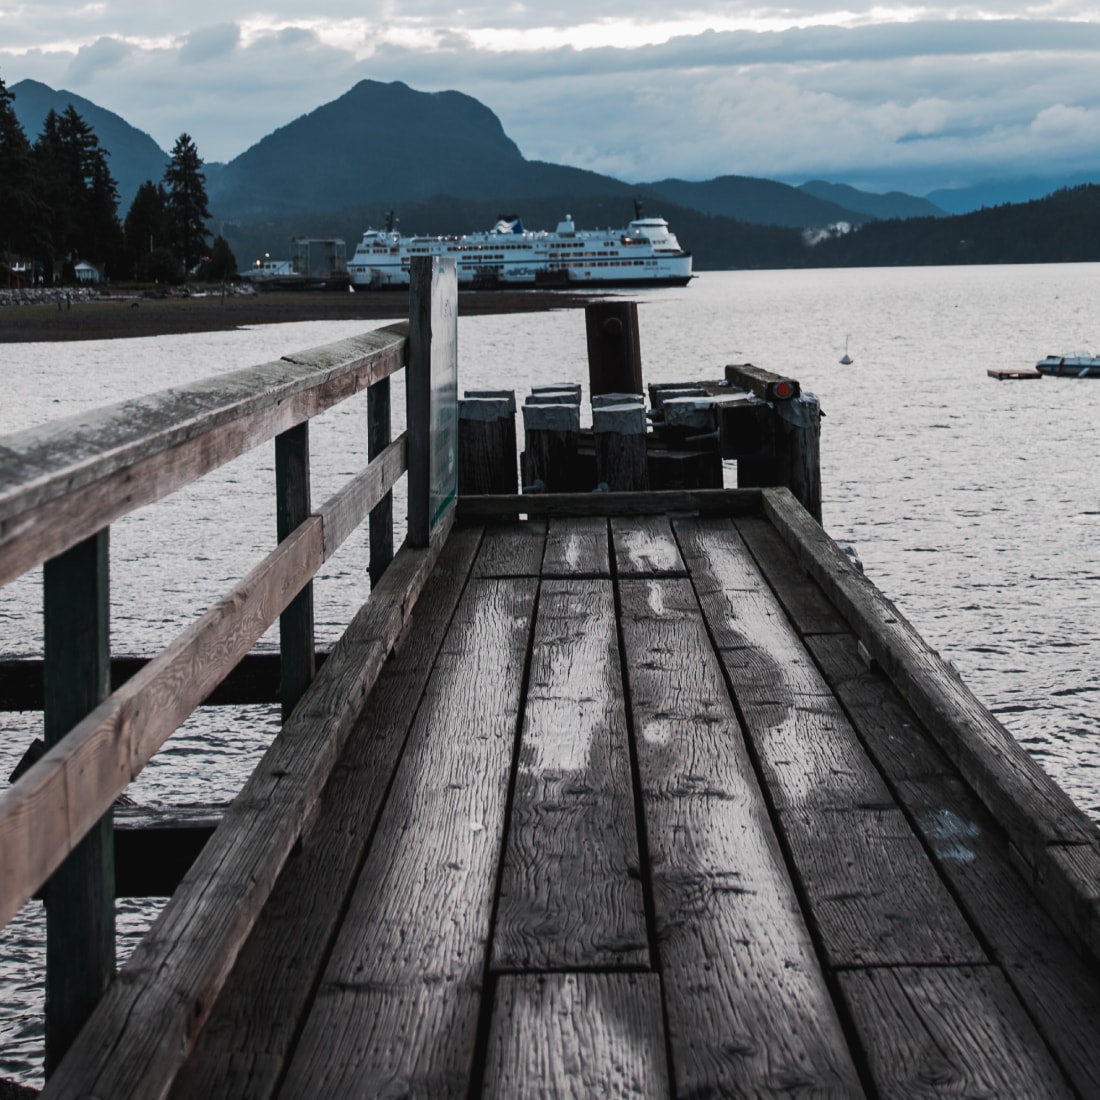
(644, 793)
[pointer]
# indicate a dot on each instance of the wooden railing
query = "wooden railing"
(62, 485)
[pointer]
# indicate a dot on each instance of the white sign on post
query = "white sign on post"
(432, 394)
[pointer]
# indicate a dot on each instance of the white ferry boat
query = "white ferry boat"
(645, 253)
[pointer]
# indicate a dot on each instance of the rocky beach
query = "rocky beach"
(80, 314)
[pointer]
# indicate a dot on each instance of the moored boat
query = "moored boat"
(645, 253)
(1080, 365)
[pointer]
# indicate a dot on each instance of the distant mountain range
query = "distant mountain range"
(444, 163)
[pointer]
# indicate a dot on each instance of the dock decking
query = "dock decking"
(630, 811)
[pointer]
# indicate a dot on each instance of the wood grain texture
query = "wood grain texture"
(949, 1032)
(243, 1047)
(1061, 992)
(579, 1036)
(645, 546)
(511, 550)
(721, 502)
(874, 895)
(1031, 806)
(570, 894)
(747, 1006)
(64, 481)
(576, 548)
(397, 1010)
(59, 799)
(803, 600)
(345, 510)
(149, 1018)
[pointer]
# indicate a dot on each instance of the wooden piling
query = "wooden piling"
(550, 450)
(621, 458)
(795, 458)
(614, 349)
(487, 445)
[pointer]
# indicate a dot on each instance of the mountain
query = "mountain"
(389, 143)
(762, 202)
(1061, 228)
(134, 156)
(1015, 189)
(894, 204)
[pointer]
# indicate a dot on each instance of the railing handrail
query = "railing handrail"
(65, 480)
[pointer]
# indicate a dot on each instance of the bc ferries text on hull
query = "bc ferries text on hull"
(645, 253)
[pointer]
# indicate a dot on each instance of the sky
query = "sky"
(904, 96)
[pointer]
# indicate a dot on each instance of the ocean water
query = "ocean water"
(974, 504)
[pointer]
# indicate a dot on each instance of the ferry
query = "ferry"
(645, 253)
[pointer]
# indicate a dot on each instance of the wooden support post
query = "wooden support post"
(379, 434)
(487, 445)
(297, 664)
(80, 921)
(614, 349)
(621, 452)
(550, 448)
(431, 399)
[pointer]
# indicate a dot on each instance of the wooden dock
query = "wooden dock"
(639, 794)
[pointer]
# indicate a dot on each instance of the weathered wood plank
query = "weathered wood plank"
(570, 894)
(80, 903)
(1049, 976)
(874, 895)
(511, 550)
(379, 434)
(147, 1021)
(293, 503)
(747, 1006)
(722, 502)
(64, 481)
(576, 548)
(645, 546)
(251, 1030)
(1031, 806)
(398, 1007)
(577, 1035)
(948, 1031)
(345, 510)
(808, 607)
(54, 804)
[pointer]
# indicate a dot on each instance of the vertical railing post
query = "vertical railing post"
(432, 393)
(379, 433)
(297, 660)
(80, 914)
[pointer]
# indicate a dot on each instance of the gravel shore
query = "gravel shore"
(120, 316)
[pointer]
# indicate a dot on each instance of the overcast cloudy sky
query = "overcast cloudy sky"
(913, 96)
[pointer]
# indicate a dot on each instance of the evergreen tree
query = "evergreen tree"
(78, 193)
(146, 227)
(221, 264)
(18, 205)
(185, 185)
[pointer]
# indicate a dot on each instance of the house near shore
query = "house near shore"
(87, 274)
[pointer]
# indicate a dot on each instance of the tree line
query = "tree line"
(59, 205)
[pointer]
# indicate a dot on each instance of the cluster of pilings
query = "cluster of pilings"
(760, 420)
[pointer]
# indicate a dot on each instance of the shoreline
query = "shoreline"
(124, 317)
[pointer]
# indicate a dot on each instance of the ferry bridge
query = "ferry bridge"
(600, 794)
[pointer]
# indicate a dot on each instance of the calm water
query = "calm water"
(974, 504)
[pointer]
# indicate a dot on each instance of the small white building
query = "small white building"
(87, 273)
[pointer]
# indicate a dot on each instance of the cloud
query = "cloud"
(209, 43)
(104, 53)
(906, 103)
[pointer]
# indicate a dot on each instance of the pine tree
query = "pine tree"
(185, 185)
(18, 204)
(146, 227)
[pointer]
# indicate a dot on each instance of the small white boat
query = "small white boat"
(1078, 365)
